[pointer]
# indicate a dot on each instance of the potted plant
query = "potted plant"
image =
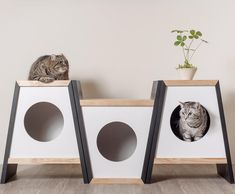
(189, 41)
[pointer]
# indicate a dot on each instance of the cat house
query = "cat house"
(45, 126)
(188, 126)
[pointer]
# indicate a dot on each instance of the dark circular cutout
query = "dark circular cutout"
(188, 125)
(116, 141)
(43, 121)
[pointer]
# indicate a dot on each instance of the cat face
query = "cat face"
(59, 64)
(190, 112)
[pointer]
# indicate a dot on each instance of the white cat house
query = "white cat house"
(167, 145)
(117, 135)
(114, 140)
(45, 126)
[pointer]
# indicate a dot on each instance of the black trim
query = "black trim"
(153, 132)
(80, 132)
(9, 170)
(224, 170)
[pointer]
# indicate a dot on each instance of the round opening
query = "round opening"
(190, 121)
(116, 141)
(43, 121)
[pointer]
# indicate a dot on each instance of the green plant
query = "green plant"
(187, 39)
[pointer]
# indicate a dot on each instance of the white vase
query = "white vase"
(187, 73)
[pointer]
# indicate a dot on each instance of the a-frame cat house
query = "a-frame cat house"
(45, 127)
(167, 148)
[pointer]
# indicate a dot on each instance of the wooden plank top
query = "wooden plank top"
(190, 161)
(132, 181)
(190, 82)
(43, 161)
(57, 83)
(117, 102)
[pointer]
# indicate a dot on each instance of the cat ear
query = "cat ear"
(181, 104)
(197, 105)
(53, 57)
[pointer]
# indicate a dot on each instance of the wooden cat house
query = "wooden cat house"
(45, 126)
(114, 140)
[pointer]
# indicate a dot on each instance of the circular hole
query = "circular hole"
(190, 121)
(43, 121)
(116, 141)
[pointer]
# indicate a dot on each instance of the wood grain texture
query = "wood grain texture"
(156, 161)
(167, 179)
(44, 161)
(117, 102)
(190, 161)
(57, 83)
(116, 181)
(190, 82)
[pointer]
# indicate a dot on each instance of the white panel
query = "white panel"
(64, 145)
(138, 118)
(211, 145)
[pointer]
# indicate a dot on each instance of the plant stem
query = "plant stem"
(195, 50)
(184, 54)
(189, 49)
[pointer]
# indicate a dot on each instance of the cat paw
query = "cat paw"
(46, 79)
(197, 138)
(188, 140)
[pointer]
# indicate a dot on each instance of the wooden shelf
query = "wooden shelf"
(117, 102)
(190, 82)
(133, 181)
(190, 161)
(57, 83)
(43, 161)
(156, 161)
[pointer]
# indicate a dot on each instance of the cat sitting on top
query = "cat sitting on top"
(193, 121)
(48, 68)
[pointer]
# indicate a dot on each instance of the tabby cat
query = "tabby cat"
(193, 121)
(48, 68)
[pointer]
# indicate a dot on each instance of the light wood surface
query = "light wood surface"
(116, 181)
(190, 161)
(57, 83)
(166, 179)
(156, 161)
(44, 161)
(117, 102)
(190, 82)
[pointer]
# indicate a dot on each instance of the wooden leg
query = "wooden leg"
(8, 171)
(225, 171)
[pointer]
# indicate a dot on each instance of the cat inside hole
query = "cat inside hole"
(190, 121)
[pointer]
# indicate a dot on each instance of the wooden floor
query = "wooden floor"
(66, 179)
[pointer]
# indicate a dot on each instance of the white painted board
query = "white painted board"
(138, 118)
(211, 145)
(64, 145)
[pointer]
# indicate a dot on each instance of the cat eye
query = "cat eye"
(189, 113)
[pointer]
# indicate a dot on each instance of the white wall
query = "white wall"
(116, 47)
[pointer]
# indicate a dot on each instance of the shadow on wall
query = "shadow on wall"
(229, 103)
(91, 89)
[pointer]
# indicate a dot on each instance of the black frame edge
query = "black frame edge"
(80, 132)
(224, 170)
(153, 132)
(9, 170)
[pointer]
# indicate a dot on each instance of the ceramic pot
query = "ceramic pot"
(186, 73)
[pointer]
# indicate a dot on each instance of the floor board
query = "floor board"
(167, 179)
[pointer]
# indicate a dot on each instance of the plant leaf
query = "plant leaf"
(179, 37)
(198, 33)
(184, 38)
(196, 36)
(204, 41)
(177, 43)
(190, 37)
(182, 44)
(192, 32)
